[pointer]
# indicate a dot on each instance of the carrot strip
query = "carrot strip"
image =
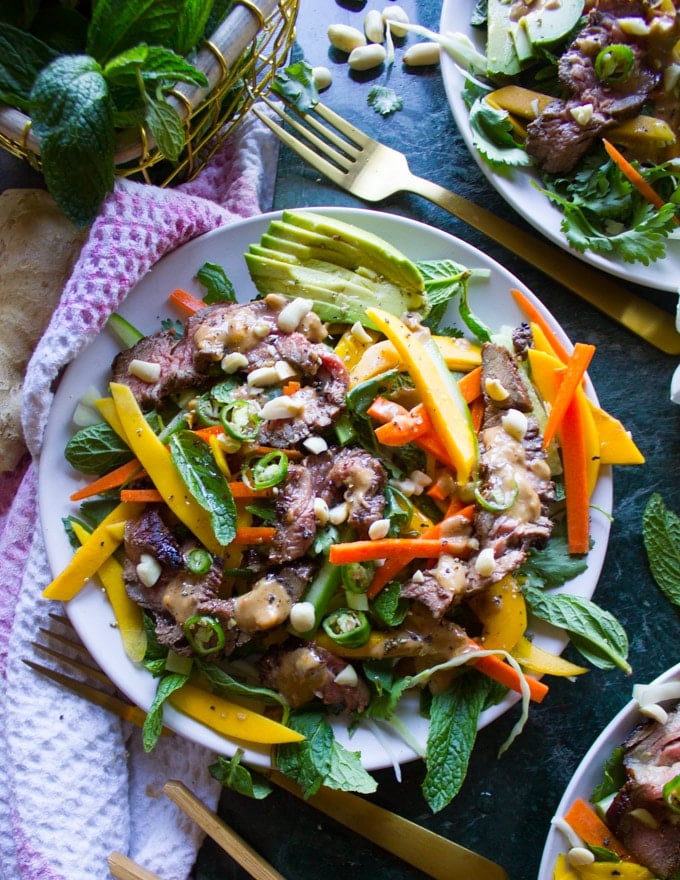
(471, 385)
(254, 534)
(633, 175)
(112, 480)
(291, 387)
(405, 429)
(575, 464)
(476, 407)
(573, 375)
(534, 315)
(583, 819)
(396, 548)
(146, 496)
(495, 667)
(209, 431)
(387, 411)
(240, 490)
(292, 454)
(185, 301)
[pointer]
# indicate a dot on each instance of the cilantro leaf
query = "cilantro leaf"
(384, 100)
(492, 135)
(296, 84)
(661, 536)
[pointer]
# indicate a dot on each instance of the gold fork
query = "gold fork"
(434, 855)
(372, 172)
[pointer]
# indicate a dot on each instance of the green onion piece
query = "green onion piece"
(347, 627)
(204, 634)
(614, 63)
(671, 794)
(198, 560)
(268, 471)
(241, 419)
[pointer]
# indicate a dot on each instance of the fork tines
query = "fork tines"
(331, 148)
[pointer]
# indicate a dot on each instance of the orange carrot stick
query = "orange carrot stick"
(633, 175)
(185, 301)
(577, 365)
(396, 548)
(575, 464)
(495, 667)
(147, 496)
(583, 819)
(471, 384)
(240, 490)
(112, 480)
(254, 534)
(533, 314)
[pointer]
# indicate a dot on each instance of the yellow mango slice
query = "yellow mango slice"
(616, 443)
(539, 662)
(503, 614)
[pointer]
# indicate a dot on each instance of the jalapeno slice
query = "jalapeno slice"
(241, 419)
(671, 794)
(198, 560)
(268, 471)
(614, 63)
(206, 413)
(347, 627)
(357, 576)
(204, 634)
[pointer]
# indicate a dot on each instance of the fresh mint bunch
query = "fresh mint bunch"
(84, 75)
(661, 535)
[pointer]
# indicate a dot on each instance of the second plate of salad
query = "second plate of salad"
(277, 406)
(622, 249)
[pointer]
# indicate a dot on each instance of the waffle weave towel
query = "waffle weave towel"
(75, 783)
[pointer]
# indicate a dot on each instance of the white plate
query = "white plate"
(146, 305)
(589, 772)
(516, 186)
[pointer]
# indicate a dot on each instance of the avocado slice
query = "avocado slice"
(501, 53)
(548, 22)
(342, 268)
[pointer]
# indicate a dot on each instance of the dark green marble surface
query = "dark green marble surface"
(506, 804)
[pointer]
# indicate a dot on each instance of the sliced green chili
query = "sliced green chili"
(268, 471)
(204, 634)
(496, 506)
(206, 413)
(198, 560)
(241, 419)
(614, 64)
(357, 576)
(347, 627)
(671, 794)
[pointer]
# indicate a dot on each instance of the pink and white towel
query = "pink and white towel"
(75, 783)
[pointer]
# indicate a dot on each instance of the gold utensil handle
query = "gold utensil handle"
(123, 868)
(231, 842)
(431, 853)
(595, 287)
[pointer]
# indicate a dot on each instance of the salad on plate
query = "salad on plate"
(581, 98)
(345, 495)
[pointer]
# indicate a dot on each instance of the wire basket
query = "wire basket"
(239, 61)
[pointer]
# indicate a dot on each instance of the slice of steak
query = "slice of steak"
(177, 369)
(503, 387)
(639, 816)
(306, 672)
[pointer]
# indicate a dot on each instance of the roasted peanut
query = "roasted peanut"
(422, 54)
(322, 77)
(374, 26)
(392, 16)
(366, 57)
(345, 38)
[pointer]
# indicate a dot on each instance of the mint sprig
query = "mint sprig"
(661, 536)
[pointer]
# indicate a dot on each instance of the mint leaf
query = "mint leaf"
(22, 57)
(454, 715)
(155, 65)
(196, 465)
(661, 536)
(595, 633)
(320, 760)
(118, 25)
(166, 128)
(233, 775)
(492, 135)
(73, 116)
(153, 723)
(553, 565)
(384, 100)
(217, 284)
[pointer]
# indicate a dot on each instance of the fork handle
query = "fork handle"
(595, 287)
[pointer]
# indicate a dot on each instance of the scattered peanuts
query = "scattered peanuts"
(422, 54)
(366, 57)
(374, 26)
(345, 38)
(392, 16)
(322, 77)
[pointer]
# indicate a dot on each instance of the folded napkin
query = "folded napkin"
(75, 783)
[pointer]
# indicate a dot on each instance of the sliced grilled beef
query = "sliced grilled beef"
(502, 384)
(561, 135)
(305, 672)
(638, 816)
(341, 474)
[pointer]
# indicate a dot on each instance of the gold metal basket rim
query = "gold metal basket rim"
(239, 60)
